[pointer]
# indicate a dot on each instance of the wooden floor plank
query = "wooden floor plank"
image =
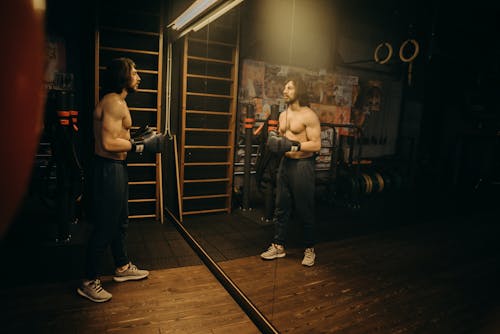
(178, 300)
(408, 280)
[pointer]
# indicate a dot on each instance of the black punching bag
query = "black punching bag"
(249, 122)
(269, 185)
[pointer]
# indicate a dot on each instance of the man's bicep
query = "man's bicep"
(313, 131)
(282, 125)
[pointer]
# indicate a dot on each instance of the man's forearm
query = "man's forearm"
(310, 146)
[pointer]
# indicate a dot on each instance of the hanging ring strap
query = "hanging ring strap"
(389, 52)
(415, 52)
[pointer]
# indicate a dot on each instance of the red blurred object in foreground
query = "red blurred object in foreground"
(21, 99)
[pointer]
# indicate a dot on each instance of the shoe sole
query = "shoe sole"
(310, 264)
(128, 278)
(83, 294)
(273, 257)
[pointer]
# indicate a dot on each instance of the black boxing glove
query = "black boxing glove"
(154, 143)
(281, 144)
(143, 132)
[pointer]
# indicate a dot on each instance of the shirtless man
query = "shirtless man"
(109, 196)
(298, 140)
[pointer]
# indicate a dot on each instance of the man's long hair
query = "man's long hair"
(300, 89)
(117, 75)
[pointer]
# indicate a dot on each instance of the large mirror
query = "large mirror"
(275, 40)
(362, 64)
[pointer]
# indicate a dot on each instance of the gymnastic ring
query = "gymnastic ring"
(415, 53)
(389, 54)
(380, 181)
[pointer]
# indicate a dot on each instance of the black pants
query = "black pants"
(108, 214)
(295, 188)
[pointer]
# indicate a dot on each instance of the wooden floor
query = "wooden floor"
(435, 275)
(179, 300)
(424, 278)
(415, 279)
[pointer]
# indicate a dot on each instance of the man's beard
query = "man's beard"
(291, 99)
(131, 89)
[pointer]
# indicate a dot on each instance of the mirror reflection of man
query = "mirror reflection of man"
(298, 140)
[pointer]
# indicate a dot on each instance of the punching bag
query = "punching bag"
(249, 123)
(22, 98)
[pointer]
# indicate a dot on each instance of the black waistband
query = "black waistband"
(312, 157)
(109, 160)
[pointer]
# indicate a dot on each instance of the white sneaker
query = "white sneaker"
(94, 291)
(309, 257)
(274, 251)
(132, 273)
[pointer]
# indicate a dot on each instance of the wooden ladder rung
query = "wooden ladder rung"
(102, 68)
(147, 90)
(143, 109)
(142, 200)
(142, 216)
(211, 60)
(156, 53)
(205, 41)
(130, 31)
(147, 71)
(135, 183)
(187, 198)
(223, 163)
(209, 95)
(185, 213)
(207, 180)
(211, 77)
(204, 112)
(141, 164)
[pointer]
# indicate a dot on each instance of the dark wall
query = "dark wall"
(298, 33)
(460, 115)
(73, 21)
(457, 79)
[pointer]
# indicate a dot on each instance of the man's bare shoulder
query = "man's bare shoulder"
(310, 114)
(112, 104)
(307, 109)
(109, 99)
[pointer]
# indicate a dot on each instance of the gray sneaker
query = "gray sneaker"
(309, 257)
(274, 251)
(93, 290)
(131, 274)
